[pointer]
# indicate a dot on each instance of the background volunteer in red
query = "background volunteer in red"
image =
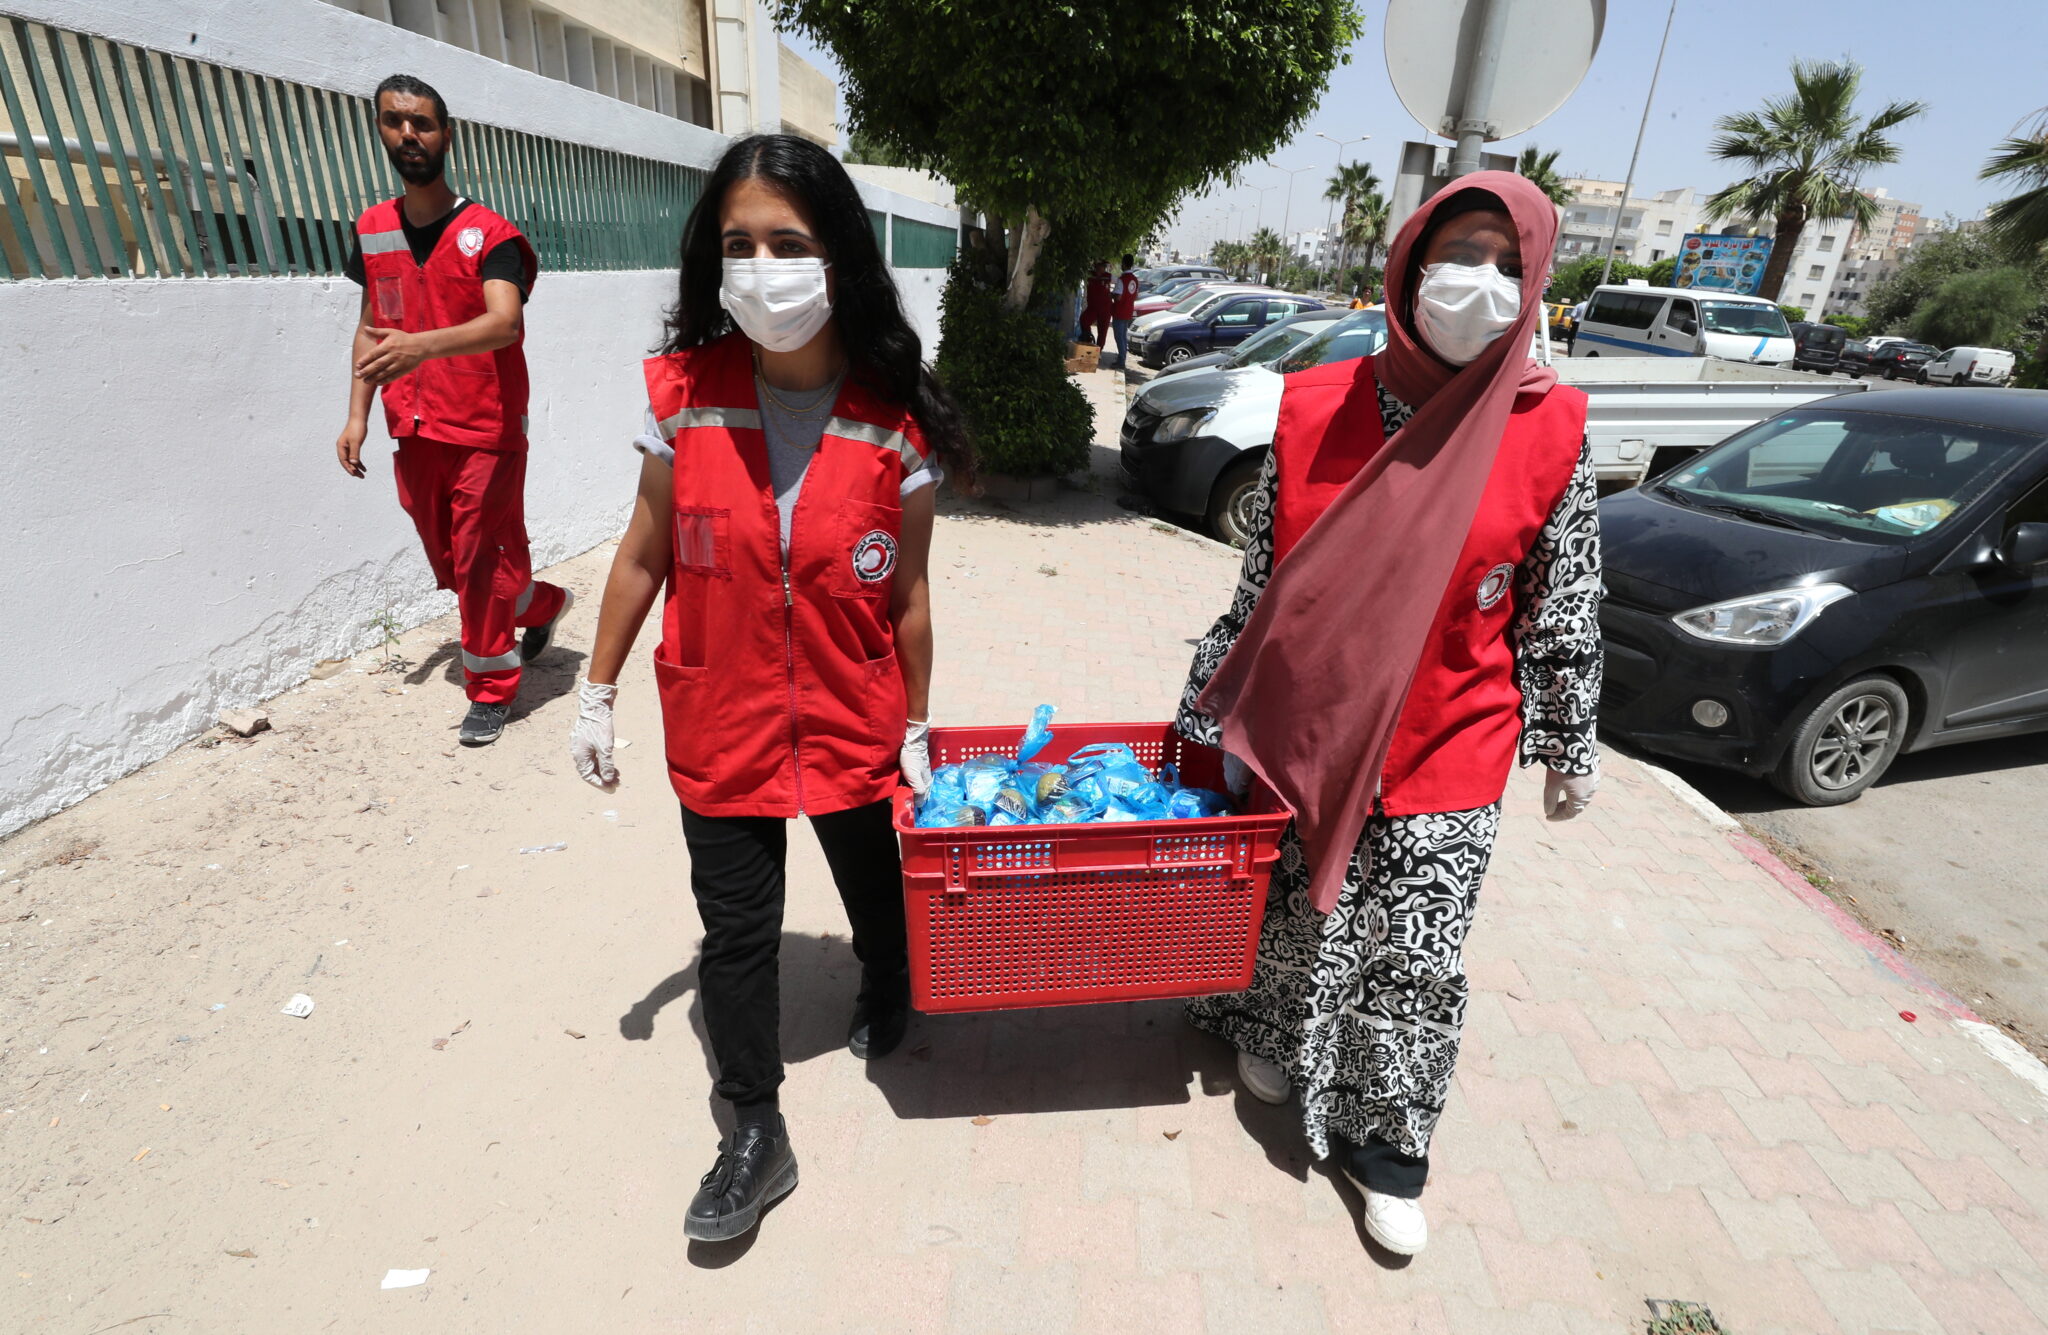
(1419, 602)
(445, 281)
(1095, 309)
(1123, 310)
(793, 443)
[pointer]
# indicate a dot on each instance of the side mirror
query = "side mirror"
(2025, 546)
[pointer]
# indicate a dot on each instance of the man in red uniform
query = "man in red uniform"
(1095, 311)
(1123, 310)
(445, 282)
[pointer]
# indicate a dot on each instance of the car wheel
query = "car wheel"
(1890, 374)
(1178, 353)
(1845, 744)
(1230, 504)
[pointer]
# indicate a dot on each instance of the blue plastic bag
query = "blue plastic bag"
(1037, 735)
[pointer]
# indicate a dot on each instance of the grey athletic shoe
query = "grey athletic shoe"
(484, 723)
(536, 640)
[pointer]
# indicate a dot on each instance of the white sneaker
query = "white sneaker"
(1394, 1222)
(1266, 1080)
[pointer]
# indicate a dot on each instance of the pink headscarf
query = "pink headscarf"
(1310, 695)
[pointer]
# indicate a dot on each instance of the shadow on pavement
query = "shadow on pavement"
(1742, 795)
(552, 677)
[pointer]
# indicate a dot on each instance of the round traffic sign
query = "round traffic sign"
(1436, 59)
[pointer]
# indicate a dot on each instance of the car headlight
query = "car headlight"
(1183, 424)
(1763, 619)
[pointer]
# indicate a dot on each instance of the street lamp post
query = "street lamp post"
(1342, 145)
(1287, 213)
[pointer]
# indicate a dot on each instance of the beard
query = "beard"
(423, 170)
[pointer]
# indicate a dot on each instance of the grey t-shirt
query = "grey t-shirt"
(792, 433)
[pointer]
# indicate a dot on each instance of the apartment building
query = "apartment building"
(1875, 252)
(714, 63)
(1651, 226)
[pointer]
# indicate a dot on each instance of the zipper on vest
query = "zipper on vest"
(796, 756)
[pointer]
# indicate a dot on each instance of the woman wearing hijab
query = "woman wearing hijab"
(1418, 604)
(793, 438)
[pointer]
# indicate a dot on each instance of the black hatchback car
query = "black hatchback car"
(1847, 580)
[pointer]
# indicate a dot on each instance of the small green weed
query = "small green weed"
(1668, 1316)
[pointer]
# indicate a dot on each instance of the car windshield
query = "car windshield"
(1273, 342)
(1194, 301)
(1746, 318)
(1358, 334)
(1866, 475)
(1198, 304)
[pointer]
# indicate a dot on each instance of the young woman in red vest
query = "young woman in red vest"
(1418, 605)
(793, 441)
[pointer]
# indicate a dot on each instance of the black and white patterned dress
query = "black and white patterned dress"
(1363, 1006)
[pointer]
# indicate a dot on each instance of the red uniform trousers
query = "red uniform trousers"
(469, 506)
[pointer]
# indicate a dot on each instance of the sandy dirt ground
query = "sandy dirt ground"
(504, 1078)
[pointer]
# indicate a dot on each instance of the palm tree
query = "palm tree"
(2020, 223)
(1805, 153)
(1352, 183)
(1541, 170)
(1366, 225)
(1266, 250)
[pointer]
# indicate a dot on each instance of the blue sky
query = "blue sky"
(1981, 66)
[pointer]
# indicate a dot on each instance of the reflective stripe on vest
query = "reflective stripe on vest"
(525, 600)
(893, 441)
(383, 243)
(495, 663)
(746, 419)
(749, 419)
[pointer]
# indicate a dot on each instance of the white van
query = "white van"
(1682, 322)
(1968, 366)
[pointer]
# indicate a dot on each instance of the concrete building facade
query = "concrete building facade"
(1651, 226)
(714, 63)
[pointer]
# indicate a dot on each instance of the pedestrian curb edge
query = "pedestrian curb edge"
(2001, 1046)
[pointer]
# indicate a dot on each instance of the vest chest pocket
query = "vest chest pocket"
(865, 565)
(702, 541)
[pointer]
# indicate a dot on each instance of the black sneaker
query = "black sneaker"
(755, 1168)
(881, 1016)
(536, 640)
(484, 723)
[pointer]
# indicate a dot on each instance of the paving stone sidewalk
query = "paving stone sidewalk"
(1679, 1081)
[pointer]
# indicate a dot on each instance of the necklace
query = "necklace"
(814, 410)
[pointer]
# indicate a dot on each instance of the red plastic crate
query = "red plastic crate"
(1063, 915)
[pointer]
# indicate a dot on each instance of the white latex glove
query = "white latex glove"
(590, 738)
(1237, 776)
(1566, 795)
(916, 758)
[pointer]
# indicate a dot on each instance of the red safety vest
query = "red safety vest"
(1126, 297)
(478, 399)
(780, 690)
(1455, 743)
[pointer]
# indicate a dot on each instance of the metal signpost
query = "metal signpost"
(1479, 71)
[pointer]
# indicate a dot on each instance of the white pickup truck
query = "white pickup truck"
(1193, 443)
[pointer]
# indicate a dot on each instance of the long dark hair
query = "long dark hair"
(882, 347)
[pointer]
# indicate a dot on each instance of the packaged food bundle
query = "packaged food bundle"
(1104, 782)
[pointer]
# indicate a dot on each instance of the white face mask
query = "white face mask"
(780, 304)
(1460, 308)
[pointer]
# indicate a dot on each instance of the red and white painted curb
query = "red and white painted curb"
(2002, 1047)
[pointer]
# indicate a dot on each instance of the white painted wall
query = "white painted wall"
(177, 535)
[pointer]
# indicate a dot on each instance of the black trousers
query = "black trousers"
(736, 873)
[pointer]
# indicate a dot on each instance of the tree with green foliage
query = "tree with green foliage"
(862, 148)
(1793, 314)
(1028, 418)
(1266, 251)
(2020, 223)
(1805, 154)
(1541, 170)
(1029, 110)
(1855, 326)
(1983, 308)
(1664, 272)
(1575, 280)
(1366, 227)
(1349, 189)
